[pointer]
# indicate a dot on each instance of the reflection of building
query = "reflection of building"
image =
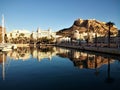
(20, 54)
(44, 53)
(2, 63)
(34, 53)
(92, 62)
(84, 60)
(24, 53)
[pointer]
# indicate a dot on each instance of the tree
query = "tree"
(88, 35)
(21, 37)
(96, 31)
(110, 25)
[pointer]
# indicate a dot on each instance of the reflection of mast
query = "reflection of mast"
(3, 68)
(3, 28)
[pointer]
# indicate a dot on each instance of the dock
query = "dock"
(106, 50)
(7, 46)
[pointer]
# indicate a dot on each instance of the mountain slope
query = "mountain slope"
(88, 25)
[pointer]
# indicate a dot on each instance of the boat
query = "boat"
(5, 46)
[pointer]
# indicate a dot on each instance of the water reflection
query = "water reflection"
(85, 60)
(90, 60)
(82, 60)
(25, 53)
(2, 61)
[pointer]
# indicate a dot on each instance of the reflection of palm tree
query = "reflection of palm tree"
(109, 24)
(109, 79)
(96, 72)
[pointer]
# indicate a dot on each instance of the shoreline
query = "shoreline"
(22, 45)
(115, 51)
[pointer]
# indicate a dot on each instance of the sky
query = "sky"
(56, 14)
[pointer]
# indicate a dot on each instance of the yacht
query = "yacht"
(5, 46)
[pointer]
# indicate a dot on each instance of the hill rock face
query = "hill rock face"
(88, 26)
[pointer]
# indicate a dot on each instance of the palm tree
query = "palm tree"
(109, 24)
(96, 30)
(88, 35)
(6, 38)
(21, 35)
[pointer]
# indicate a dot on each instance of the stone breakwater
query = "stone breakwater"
(115, 51)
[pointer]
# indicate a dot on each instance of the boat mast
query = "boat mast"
(3, 67)
(3, 28)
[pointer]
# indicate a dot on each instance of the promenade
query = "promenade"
(107, 50)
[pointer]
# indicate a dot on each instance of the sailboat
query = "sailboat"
(5, 46)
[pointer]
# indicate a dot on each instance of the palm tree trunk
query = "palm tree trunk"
(109, 38)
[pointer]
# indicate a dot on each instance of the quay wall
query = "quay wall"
(115, 51)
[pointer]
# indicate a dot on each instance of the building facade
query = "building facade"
(1, 33)
(45, 33)
(18, 36)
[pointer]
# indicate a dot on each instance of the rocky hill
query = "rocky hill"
(88, 25)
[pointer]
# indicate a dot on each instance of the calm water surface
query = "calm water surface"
(54, 68)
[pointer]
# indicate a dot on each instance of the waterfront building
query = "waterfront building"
(17, 33)
(18, 36)
(45, 33)
(1, 32)
(48, 34)
(76, 35)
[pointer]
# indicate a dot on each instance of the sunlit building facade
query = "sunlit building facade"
(17, 33)
(43, 33)
(1, 33)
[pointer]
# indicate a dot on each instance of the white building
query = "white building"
(43, 33)
(16, 33)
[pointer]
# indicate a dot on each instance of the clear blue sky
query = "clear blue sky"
(56, 14)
